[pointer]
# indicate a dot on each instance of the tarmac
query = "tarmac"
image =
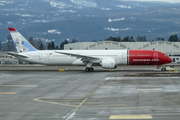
(130, 92)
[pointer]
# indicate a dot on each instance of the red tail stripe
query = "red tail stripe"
(12, 29)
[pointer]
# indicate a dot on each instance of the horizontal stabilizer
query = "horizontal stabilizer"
(17, 55)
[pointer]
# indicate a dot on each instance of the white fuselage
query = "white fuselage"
(50, 57)
(108, 59)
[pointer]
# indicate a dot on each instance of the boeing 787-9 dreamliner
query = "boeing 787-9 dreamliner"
(108, 59)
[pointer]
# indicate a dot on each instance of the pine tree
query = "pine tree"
(62, 46)
(41, 47)
(31, 40)
(0, 45)
(49, 46)
(74, 41)
(57, 47)
(173, 38)
(132, 39)
(63, 43)
(52, 46)
(10, 44)
(176, 38)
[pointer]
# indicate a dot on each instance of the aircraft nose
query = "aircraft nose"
(168, 60)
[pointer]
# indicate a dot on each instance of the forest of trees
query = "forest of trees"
(127, 39)
(38, 43)
(172, 38)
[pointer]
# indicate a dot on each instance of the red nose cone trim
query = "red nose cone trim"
(12, 29)
(170, 60)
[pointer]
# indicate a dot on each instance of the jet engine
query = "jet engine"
(108, 64)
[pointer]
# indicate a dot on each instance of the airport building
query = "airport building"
(7, 59)
(172, 49)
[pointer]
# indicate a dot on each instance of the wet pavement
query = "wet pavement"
(131, 93)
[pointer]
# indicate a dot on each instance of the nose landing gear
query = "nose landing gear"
(163, 69)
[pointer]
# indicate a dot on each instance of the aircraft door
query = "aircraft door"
(123, 56)
(155, 55)
(40, 56)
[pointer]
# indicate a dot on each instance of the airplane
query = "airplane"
(108, 59)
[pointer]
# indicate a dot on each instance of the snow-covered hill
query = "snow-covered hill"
(87, 20)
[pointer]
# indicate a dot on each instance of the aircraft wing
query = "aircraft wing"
(78, 55)
(16, 55)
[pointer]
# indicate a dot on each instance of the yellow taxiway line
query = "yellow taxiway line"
(130, 117)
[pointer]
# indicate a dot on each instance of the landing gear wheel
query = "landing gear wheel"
(89, 69)
(163, 69)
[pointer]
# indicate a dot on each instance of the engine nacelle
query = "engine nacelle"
(108, 64)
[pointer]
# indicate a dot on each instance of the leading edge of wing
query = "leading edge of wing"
(77, 55)
(16, 55)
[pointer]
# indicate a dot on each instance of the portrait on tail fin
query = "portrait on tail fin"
(22, 45)
(19, 45)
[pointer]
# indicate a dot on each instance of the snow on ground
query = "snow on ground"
(111, 29)
(25, 15)
(9, 9)
(115, 29)
(40, 21)
(64, 11)
(125, 29)
(52, 32)
(6, 2)
(114, 20)
(60, 5)
(123, 6)
(84, 3)
(105, 8)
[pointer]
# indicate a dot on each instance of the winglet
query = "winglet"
(12, 29)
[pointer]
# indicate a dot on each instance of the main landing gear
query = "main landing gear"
(89, 69)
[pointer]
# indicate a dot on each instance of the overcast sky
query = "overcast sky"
(171, 1)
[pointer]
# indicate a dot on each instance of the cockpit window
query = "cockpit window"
(165, 55)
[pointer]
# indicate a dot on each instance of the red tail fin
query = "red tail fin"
(12, 29)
